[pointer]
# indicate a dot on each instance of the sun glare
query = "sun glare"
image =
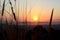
(35, 18)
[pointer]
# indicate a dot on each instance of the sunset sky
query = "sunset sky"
(37, 10)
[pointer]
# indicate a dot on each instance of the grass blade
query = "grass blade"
(3, 7)
(12, 10)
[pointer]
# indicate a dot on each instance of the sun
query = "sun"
(35, 18)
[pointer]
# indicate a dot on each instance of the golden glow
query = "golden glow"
(39, 13)
(35, 18)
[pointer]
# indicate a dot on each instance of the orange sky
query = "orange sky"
(40, 10)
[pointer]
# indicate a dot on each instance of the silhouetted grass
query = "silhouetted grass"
(3, 7)
(37, 33)
(51, 18)
(12, 10)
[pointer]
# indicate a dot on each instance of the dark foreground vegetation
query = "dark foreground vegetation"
(12, 32)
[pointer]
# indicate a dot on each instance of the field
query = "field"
(25, 32)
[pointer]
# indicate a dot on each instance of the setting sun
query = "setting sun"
(35, 18)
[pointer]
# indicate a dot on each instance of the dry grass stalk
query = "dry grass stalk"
(3, 7)
(12, 10)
